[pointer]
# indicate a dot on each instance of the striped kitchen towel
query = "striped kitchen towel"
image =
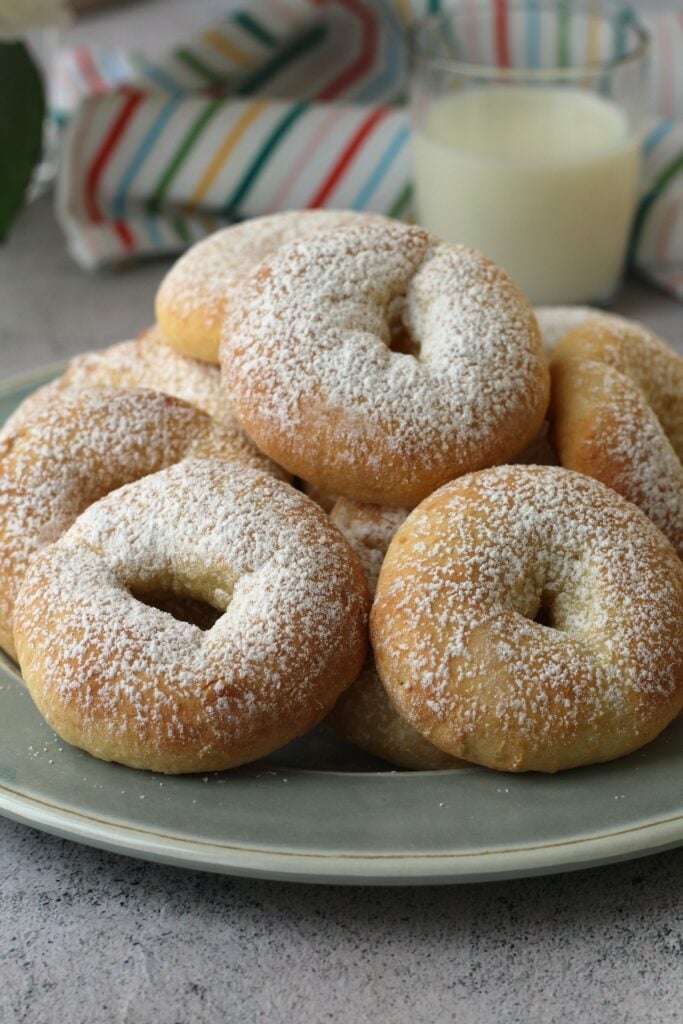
(298, 104)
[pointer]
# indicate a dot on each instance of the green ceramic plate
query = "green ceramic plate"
(320, 812)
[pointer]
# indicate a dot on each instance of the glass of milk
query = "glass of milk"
(528, 119)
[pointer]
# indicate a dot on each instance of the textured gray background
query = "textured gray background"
(93, 938)
(89, 937)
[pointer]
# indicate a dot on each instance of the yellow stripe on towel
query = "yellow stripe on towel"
(225, 149)
(228, 49)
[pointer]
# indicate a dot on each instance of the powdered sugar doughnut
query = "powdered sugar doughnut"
(528, 618)
(195, 295)
(364, 715)
(77, 450)
(128, 682)
(311, 375)
(617, 415)
(146, 362)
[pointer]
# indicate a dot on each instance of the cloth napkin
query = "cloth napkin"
(296, 104)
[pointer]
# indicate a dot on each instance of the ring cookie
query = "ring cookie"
(82, 447)
(196, 294)
(364, 715)
(617, 415)
(125, 680)
(378, 363)
(146, 362)
(527, 618)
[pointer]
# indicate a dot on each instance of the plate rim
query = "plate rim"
(323, 867)
(41, 375)
(342, 868)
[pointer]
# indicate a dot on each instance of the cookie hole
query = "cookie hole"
(545, 614)
(402, 341)
(400, 338)
(183, 608)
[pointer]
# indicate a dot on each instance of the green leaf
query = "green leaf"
(22, 110)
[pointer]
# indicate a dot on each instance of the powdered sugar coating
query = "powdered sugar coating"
(368, 529)
(556, 321)
(83, 446)
(193, 297)
(637, 353)
(453, 624)
(146, 362)
(310, 374)
(202, 276)
(645, 467)
(364, 715)
(618, 415)
(131, 683)
(150, 362)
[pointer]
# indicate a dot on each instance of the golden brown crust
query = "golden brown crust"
(128, 682)
(369, 530)
(637, 353)
(194, 297)
(186, 330)
(311, 374)
(81, 446)
(528, 618)
(617, 415)
(146, 362)
(556, 322)
(364, 714)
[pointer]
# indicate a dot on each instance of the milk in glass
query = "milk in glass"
(543, 180)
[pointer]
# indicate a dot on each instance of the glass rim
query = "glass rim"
(572, 71)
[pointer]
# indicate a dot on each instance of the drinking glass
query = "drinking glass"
(528, 121)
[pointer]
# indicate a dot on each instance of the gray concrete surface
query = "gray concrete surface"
(93, 938)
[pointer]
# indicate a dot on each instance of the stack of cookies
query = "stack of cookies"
(339, 480)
